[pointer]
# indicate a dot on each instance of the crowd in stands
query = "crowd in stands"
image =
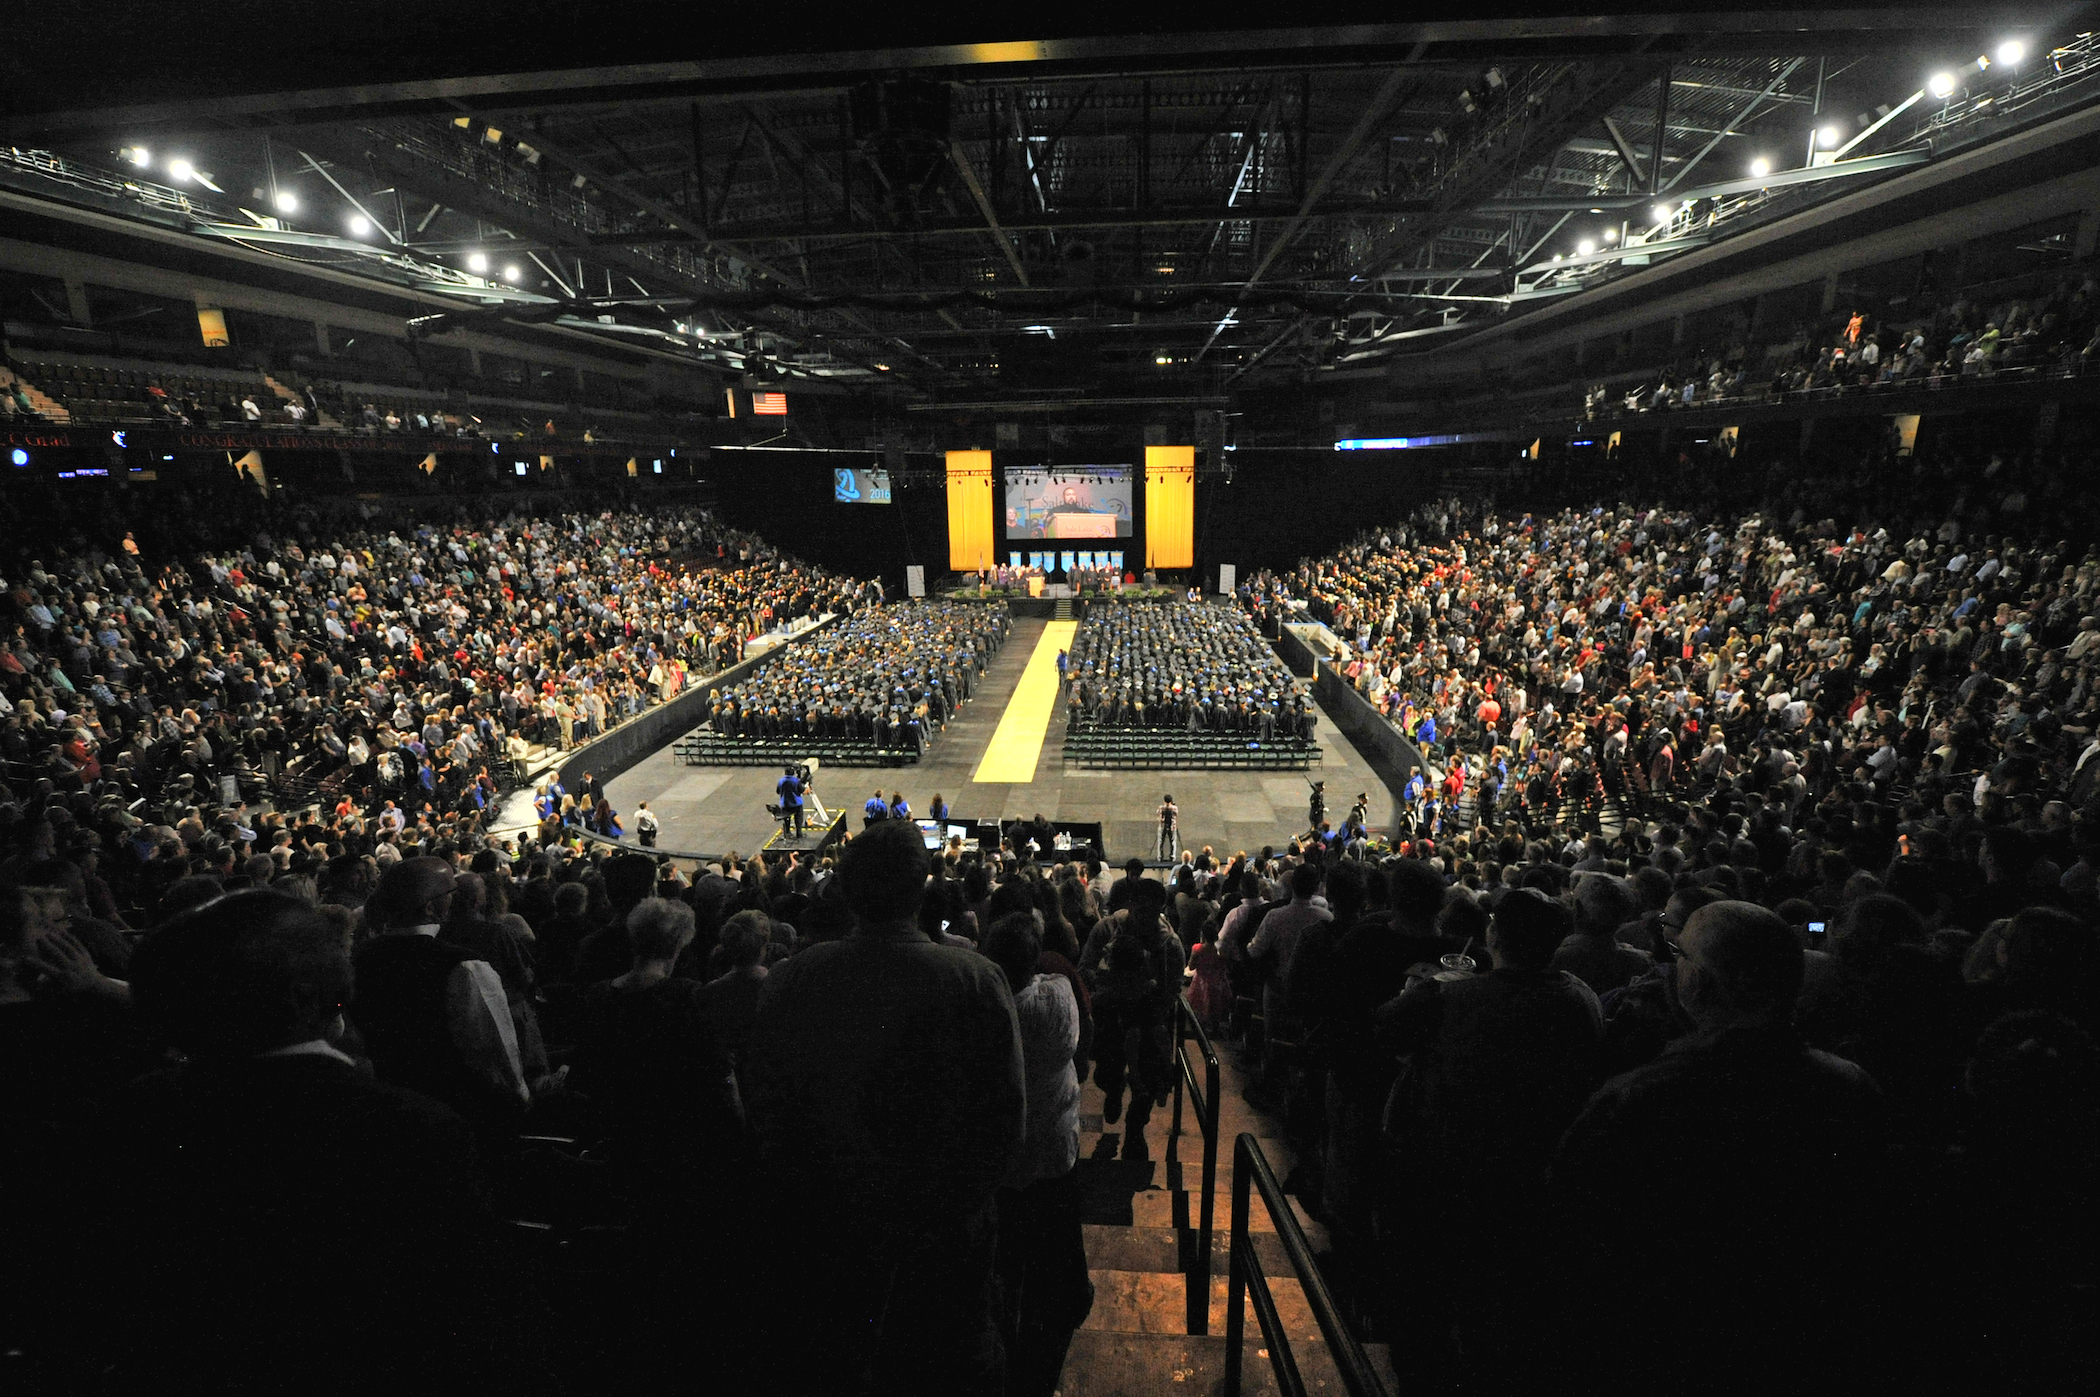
(1849, 759)
(1785, 1074)
(1182, 665)
(2055, 331)
(405, 667)
(892, 675)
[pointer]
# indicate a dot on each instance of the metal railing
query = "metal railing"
(1250, 1169)
(1203, 1102)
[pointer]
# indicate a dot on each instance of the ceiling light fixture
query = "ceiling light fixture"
(1760, 167)
(2011, 51)
(1942, 85)
(511, 273)
(360, 226)
(286, 201)
(478, 262)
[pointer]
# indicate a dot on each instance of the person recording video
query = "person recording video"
(790, 791)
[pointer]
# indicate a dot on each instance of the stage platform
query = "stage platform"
(723, 808)
(809, 842)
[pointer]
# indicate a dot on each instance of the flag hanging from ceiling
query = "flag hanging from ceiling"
(769, 404)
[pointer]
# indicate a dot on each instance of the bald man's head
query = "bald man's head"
(1741, 961)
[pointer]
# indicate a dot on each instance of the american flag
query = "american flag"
(769, 404)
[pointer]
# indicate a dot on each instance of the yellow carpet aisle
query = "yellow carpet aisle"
(1011, 757)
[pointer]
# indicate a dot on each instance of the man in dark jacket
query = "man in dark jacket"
(883, 1080)
(285, 1209)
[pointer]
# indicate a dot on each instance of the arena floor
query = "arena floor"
(717, 809)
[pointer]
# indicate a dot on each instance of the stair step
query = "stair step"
(1107, 1363)
(1156, 1207)
(1159, 1249)
(1155, 1302)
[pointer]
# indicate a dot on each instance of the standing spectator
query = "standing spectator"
(1042, 1252)
(1768, 1128)
(885, 1086)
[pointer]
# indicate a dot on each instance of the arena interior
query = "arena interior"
(1105, 704)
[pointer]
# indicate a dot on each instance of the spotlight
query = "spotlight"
(1585, 247)
(1663, 213)
(1828, 137)
(286, 201)
(510, 273)
(2011, 51)
(1556, 257)
(1942, 85)
(360, 226)
(1611, 235)
(180, 169)
(139, 156)
(20, 457)
(477, 262)
(1162, 359)
(1495, 80)
(1760, 167)
(1466, 103)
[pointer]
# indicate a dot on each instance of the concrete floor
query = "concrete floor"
(716, 809)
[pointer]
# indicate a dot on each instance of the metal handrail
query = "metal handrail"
(1203, 1102)
(1250, 1166)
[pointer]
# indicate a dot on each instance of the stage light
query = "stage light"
(1556, 257)
(1162, 359)
(20, 457)
(477, 262)
(1585, 248)
(2011, 51)
(510, 273)
(360, 226)
(286, 201)
(1662, 212)
(139, 156)
(885, 368)
(180, 169)
(1611, 235)
(1942, 85)
(1828, 137)
(1760, 167)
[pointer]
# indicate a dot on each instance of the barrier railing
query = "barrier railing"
(1250, 1169)
(1203, 1103)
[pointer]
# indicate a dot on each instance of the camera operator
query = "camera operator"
(790, 791)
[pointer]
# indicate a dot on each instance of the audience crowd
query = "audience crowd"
(406, 667)
(1774, 1065)
(2053, 331)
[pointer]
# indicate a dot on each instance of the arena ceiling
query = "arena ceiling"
(1174, 214)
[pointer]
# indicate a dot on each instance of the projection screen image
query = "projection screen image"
(1068, 502)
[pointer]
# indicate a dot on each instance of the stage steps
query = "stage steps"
(1137, 1340)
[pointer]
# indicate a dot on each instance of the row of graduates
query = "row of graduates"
(1261, 717)
(885, 727)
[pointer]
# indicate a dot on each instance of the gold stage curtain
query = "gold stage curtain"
(970, 541)
(1170, 506)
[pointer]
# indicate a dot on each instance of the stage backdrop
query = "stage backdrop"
(1170, 506)
(970, 542)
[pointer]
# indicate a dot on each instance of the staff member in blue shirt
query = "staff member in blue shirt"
(900, 808)
(875, 811)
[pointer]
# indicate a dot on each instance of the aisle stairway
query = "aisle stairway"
(1139, 1339)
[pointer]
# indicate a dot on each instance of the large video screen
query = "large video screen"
(860, 486)
(1068, 502)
